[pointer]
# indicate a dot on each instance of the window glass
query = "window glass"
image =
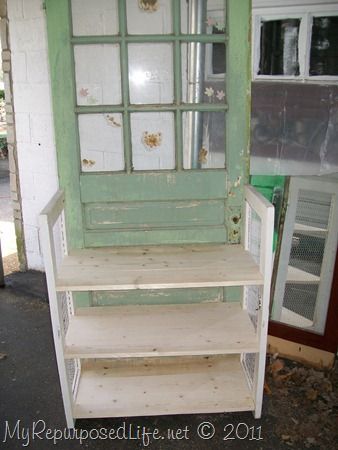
(94, 18)
(218, 61)
(149, 17)
(202, 78)
(151, 73)
(279, 47)
(198, 17)
(101, 143)
(153, 141)
(324, 46)
(204, 140)
(97, 74)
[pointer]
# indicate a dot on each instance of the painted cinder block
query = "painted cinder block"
(32, 9)
(32, 241)
(33, 117)
(36, 159)
(15, 9)
(8, 93)
(10, 134)
(37, 67)
(23, 133)
(28, 34)
(31, 98)
(6, 55)
(4, 32)
(41, 128)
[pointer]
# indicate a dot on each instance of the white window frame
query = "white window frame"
(306, 15)
(217, 14)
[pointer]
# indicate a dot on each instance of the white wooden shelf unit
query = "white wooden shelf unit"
(128, 360)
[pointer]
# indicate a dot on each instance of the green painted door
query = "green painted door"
(151, 111)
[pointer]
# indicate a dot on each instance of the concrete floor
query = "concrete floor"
(30, 394)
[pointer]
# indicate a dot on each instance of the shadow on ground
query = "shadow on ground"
(300, 411)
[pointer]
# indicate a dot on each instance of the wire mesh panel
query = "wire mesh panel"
(252, 302)
(72, 365)
(73, 374)
(65, 309)
(65, 302)
(299, 304)
(251, 294)
(254, 225)
(249, 365)
(306, 257)
(60, 241)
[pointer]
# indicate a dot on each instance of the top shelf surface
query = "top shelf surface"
(160, 267)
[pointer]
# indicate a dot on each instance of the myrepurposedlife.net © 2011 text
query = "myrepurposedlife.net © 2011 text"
(39, 430)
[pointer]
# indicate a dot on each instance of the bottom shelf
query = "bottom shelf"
(175, 385)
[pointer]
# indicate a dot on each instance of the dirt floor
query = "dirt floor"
(300, 408)
(305, 403)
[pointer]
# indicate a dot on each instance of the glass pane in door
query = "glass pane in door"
(202, 16)
(97, 74)
(203, 140)
(101, 146)
(151, 74)
(149, 17)
(153, 141)
(95, 18)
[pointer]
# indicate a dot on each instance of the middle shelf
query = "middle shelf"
(160, 330)
(157, 267)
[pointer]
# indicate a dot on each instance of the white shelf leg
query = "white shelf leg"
(46, 220)
(265, 211)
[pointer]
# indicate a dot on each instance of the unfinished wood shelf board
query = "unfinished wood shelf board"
(157, 268)
(295, 275)
(160, 330)
(163, 386)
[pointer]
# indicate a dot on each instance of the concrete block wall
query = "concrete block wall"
(32, 112)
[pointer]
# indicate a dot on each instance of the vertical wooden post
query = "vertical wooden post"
(47, 219)
(265, 211)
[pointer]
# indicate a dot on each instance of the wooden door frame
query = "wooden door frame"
(71, 179)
